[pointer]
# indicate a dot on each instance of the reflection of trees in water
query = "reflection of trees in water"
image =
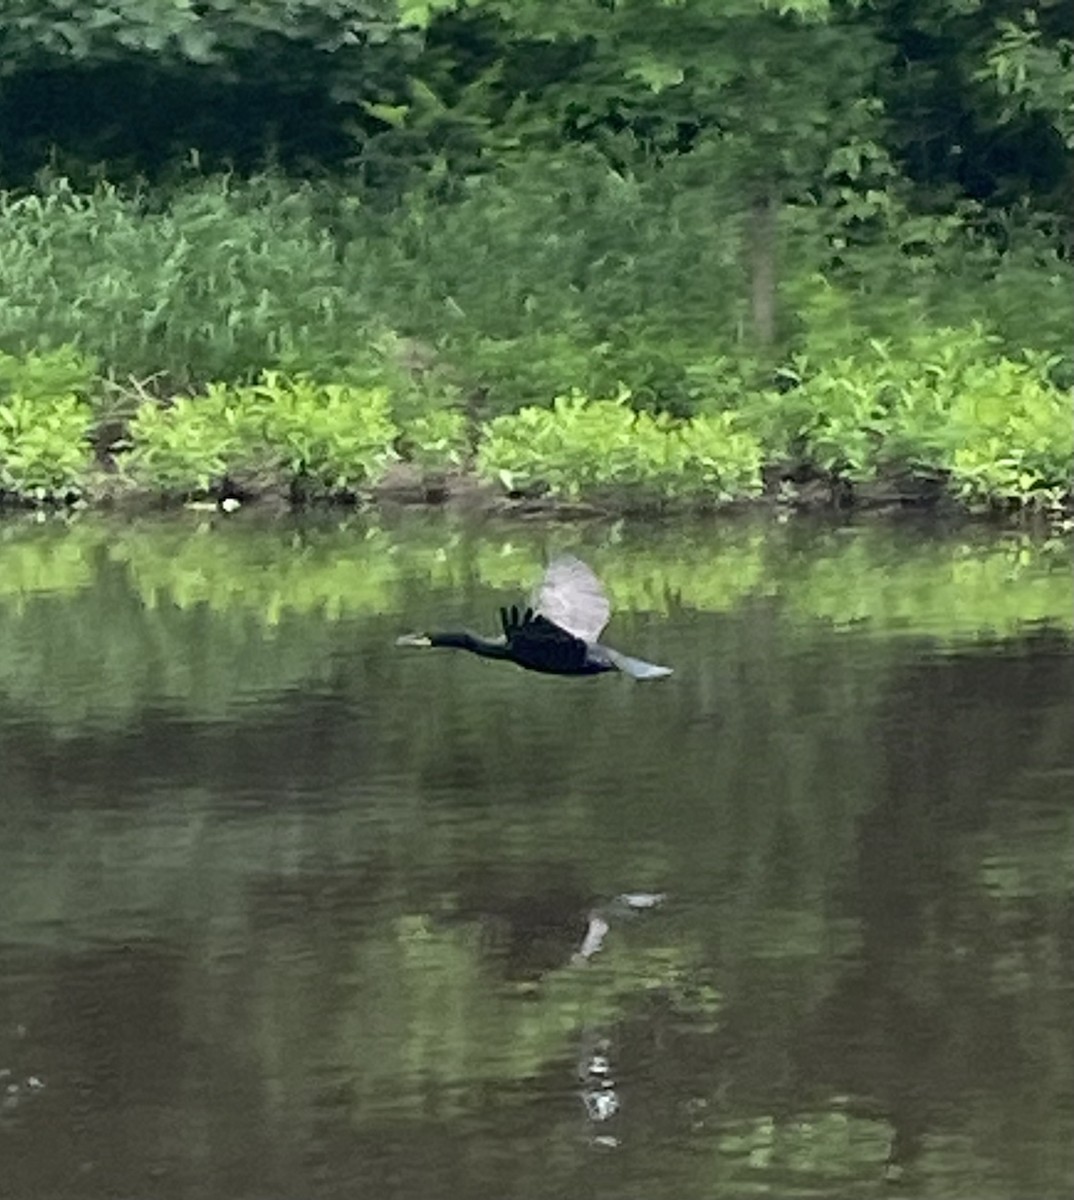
(924, 1015)
(531, 934)
(383, 907)
(180, 612)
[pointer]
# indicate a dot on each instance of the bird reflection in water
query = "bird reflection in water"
(627, 904)
(599, 1093)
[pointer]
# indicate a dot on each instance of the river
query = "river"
(288, 912)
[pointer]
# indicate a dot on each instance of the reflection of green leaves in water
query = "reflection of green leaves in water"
(944, 588)
(47, 562)
(810, 1151)
(263, 576)
(165, 576)
(710, 571)
(439, 1014)
(354, 848)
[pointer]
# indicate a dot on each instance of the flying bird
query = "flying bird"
(557, 633)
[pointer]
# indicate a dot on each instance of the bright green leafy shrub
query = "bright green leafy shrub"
(714, 456)
(45, 375)
(855, 415)
(45, 422)
(190, 445)
(945, 401)
(335, 436)
(580, 446)
(323, 439)
(437, 440)
(44, 448)
(575, 446)
(1011, 435)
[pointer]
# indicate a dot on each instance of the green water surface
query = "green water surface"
(286, 911)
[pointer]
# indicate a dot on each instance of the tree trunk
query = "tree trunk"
(762, 259)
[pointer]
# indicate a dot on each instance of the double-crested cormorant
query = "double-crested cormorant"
(556, 634)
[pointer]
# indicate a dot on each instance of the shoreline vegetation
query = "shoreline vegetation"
(270, 342)
(652, 257)
(290, 441)
(871, 432)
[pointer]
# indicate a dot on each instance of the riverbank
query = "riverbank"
(990, 437)
(349, 357)
(405, 487)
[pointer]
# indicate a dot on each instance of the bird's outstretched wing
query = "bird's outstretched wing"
(540, 644)
(570, 596)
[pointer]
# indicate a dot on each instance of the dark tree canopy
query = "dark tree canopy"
(966, 100)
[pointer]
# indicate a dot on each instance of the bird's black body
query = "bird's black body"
(538, 644)
(556, 634)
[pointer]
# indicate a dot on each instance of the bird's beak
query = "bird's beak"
(413, 639)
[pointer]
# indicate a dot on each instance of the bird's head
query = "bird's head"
(458, 639)
(414, 639)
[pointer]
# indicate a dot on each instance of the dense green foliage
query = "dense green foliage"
(555, 273)
(219, 283)
(943, 401)
(996, 430)
(579, 447)
(44, 452)
(317, 439)
(480, 207)
(970, 100)
(45, 426)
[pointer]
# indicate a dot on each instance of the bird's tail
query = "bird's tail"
(636, 667)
